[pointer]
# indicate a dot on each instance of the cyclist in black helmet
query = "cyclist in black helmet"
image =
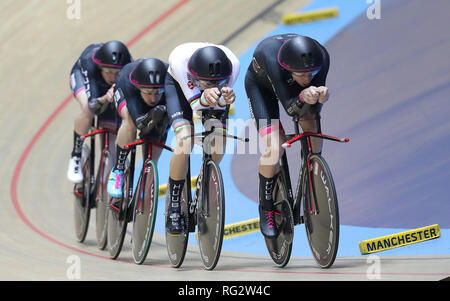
(92, 79)
(291, 69)
(141, 102)
(200, 75)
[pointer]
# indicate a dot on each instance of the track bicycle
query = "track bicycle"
(92, 191)
(139, 207)
(315, 194)
(206, 210)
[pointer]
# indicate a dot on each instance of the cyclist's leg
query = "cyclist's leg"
(82, 123)
(125, 135)
(264, 108)
(273, 136)
(265, 112)
(127, 130)
(177, 173)
(180, 118)
(180, 114)
(83, 120)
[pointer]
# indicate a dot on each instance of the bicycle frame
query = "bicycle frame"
(306, 146)
(105, 140)
(96, 123)
(204, 211)
(200, 139)
(105, 144)
(192, 202)
(148, 145)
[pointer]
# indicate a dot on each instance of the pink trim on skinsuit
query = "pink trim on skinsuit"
(24, 156)
(269, 129)
(301, 97)
(79, 90)
(122, 104)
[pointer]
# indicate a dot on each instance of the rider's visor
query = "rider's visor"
(152, 91)
(217, 82)
(111, 71)
(309, 73)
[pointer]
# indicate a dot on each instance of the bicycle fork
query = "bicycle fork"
(302, 189)
(129, 199)
(92, 171)
(204, 210)
(140, 205)
(306, 184)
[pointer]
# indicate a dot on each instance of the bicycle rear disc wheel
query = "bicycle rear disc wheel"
(211, 217)
(322, 229)
(101, 211)
(117, 220)
(177, 243)
(280, 248)
(145, 208)
(82, 193)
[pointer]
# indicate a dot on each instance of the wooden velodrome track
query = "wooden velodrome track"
(39, 46)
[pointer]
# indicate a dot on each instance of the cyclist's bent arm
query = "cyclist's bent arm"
(127, 130)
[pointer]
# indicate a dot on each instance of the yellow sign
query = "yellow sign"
(310, 16)
(241, 228)
(399, 239)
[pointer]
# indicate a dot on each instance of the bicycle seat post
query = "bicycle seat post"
(295, 119)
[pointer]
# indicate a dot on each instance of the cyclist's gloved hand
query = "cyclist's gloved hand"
(143, 120)
(156, 122)
(324, 94)
(152, 118)
(309, 95)
(228, 95)
(157, 113)
(295, 108)
(210, 97)
(97, 106)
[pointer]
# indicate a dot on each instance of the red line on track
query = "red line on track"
(35, 138)
(156, 22)
(19, 166)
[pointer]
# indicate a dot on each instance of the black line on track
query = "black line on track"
(250, 22)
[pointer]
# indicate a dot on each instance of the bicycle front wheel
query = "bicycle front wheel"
(82, 193)
(177, 243)
(101, 211)
(211, 216)
(321, 213)
(280, 247)
(117, 219)
(145, 208)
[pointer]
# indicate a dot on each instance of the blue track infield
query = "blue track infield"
(242, 205)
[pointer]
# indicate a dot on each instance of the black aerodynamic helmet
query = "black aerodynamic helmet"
(210, 63)
(301, 54)
(149, 73)
(113, 54)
